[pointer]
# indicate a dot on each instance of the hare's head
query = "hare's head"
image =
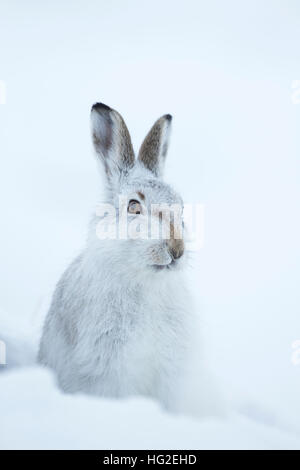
(137, 198)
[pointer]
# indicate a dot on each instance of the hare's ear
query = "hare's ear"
(154, 148)
(111, 140)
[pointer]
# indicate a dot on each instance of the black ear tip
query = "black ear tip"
(168, 117)
(100, 107)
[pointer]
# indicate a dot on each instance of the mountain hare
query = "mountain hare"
(120, 319)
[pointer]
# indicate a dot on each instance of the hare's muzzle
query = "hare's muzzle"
(175, 247)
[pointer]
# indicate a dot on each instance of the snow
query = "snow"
(225, 72)
(41, 417)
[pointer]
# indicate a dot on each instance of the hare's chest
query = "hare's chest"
(143, 358)
(155, 349)
(134, 346)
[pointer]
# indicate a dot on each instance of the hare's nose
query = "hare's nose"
(176, 248)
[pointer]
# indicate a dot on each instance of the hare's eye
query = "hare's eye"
(134, 207)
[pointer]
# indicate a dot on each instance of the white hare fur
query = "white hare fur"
(120, 321)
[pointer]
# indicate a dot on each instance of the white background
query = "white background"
(224, 70)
